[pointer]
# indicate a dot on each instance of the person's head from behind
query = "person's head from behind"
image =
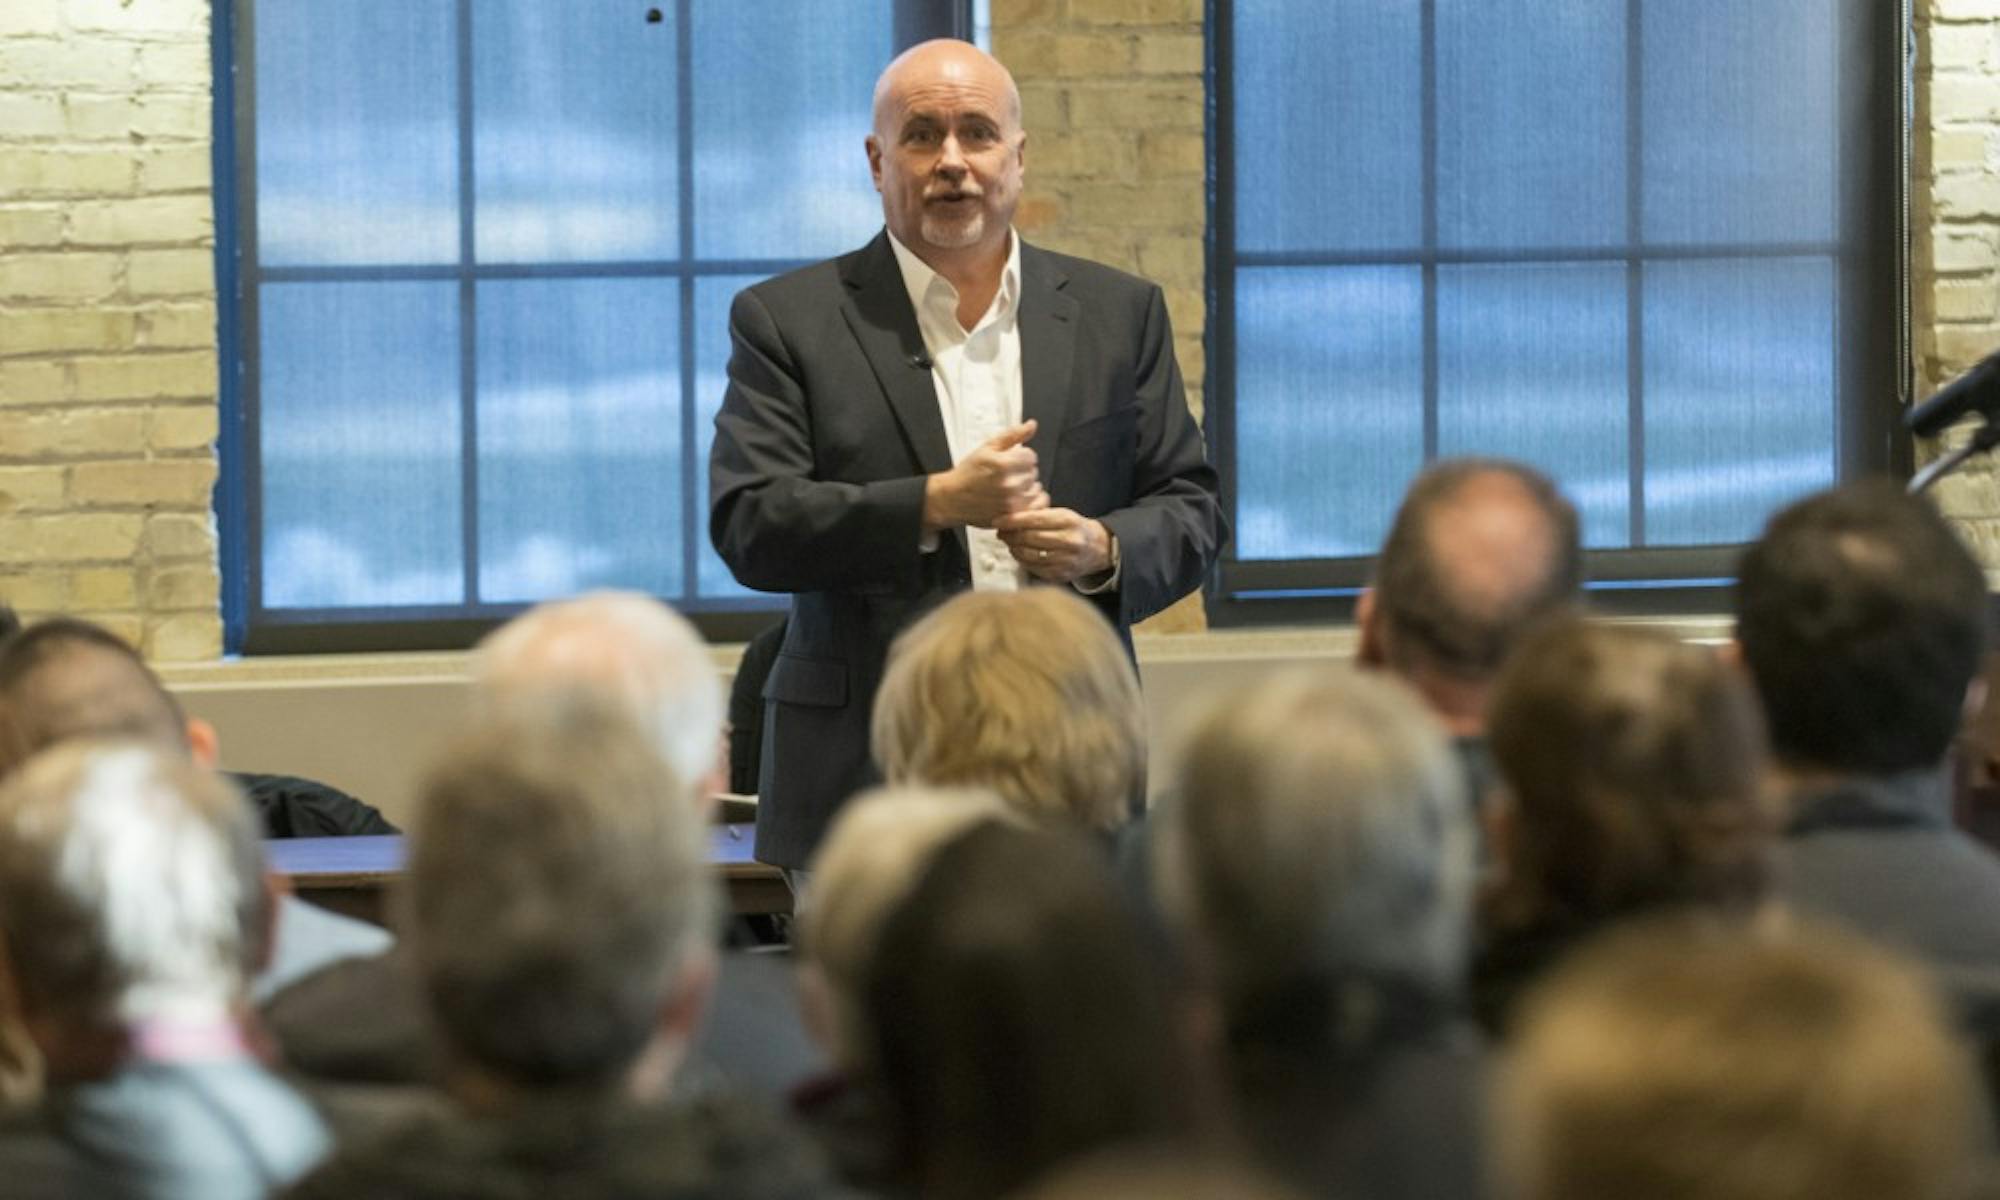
(65, 678)
(1480, 552)
(1029, 693)
(1318, 845)
(1862, 620)
(560, 905)
(1018, 1016)
(1688, 1060)
(876, 849)
(1634, 767)
(621, 649)
(131, 893)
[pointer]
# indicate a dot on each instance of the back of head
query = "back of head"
(876, 850)
(622, 649)
(1017, 1020)
(1029, 693)
(1480, 551)
(1691, 1061)
(130, 885)
(1863, 621)
(1635, 765)
(64, 678)
(1319, 837)
(558, 889)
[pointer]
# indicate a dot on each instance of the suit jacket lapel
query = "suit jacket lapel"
(877, 309)
(1048, 344)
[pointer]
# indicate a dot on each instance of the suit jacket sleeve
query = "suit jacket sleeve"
(774, 520)
(1170, 533)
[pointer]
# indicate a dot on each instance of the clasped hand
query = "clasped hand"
(998, 486)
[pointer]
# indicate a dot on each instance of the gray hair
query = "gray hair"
(130, 884)
(558, 888)
(620, 648)
(1320, 828)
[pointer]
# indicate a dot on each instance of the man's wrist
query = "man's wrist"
(937, 504)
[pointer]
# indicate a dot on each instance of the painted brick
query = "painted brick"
(1085, 153)
(45, 171)
(177, 169)
(1173, 154)
(19, 18)
(1959, 46)
(1171, 54)
(1131, 206)
(147, 220)
(1966, 248)
(1959, 346)
(172, 64)
(65, 276)
(158, 116)
(31, 114)
(66, 62)
(70, 537)
(1008, 15)
(184, 637)
(168, 326)
(100, 117)
(170, 273)
(33, 381)
(1177, 257)
(188, 427)
(167, 483)
(1964, 300)
(54, 330)
(179, 374)
(173, 18)
(30, 593)
(1136, 12)
(103, 587)
(1961, 96)
(194, 586)
(1043, 108)
(25, 226)
(1137, 107)
(30, 489)
(67, 433)
(179, 535)
(1962, 10)
(1961, 148)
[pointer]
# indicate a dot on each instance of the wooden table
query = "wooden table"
(352, 875)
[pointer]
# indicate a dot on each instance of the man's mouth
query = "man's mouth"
(952, 198)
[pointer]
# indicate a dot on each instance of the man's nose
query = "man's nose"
(951, 157)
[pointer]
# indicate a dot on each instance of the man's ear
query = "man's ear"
(204, 744)
(1370, 651)
(874, 145)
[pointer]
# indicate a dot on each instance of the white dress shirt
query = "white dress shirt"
(978, 378)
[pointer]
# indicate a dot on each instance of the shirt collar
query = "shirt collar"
(919, 279)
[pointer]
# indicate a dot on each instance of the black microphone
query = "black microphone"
(1978, 390)
(920, 361)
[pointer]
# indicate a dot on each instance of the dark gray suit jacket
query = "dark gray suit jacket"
(816, 484)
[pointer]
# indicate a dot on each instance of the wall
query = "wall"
(107, 350)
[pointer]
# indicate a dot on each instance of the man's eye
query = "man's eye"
(920, 137)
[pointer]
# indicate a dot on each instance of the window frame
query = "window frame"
(251, 628)
(1874, 388)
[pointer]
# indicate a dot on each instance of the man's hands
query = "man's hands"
(1057, 544)
(997, 478)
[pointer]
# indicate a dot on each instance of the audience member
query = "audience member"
(1690, 1061)
(65, 678)
(133, 907)
(1315, 858)
(1634, 771)
(562, 916)
(1029, 693)
(363, 1022)
(879, 844)
(1862, 621)
(1157, 1175)
(1481, 551)
(1018, 1018)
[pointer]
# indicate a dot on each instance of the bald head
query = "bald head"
(64, 678)
(943, 61)
(620, 648)
(1481, 551)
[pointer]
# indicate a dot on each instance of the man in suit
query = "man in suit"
(944, 409)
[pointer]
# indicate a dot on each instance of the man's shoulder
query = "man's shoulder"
(815, 279)
(1084, 272)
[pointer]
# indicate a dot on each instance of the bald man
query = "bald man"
(945, 408)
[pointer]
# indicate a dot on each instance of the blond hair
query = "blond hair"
(1029, 693)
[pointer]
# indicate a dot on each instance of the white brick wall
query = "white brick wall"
(107, 318)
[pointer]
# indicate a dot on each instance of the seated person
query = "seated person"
(878, 846)
(1314, 860)
(133, 907)
(1028, 693)
(561, 913)
(1693, 1061)
(1634, 772)
(1018, 1018)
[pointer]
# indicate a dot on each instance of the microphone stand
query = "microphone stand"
(1986, 438)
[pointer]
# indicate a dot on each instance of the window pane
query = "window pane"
(1522, 163)
(357, 138)
(712, 296)
(359, 423)
(1329, 406)
(574, 132)
(1739, 393)
(1740, 111)
(1532, 365)
(1328, 134)
(579, 437)
(779, 166)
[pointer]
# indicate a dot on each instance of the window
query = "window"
(1651, 246)
(483, 255)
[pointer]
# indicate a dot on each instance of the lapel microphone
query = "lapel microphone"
(920, 361)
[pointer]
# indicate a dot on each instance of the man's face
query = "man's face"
(947, 156)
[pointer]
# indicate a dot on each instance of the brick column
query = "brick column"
(107, 319)
(1116, 168)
